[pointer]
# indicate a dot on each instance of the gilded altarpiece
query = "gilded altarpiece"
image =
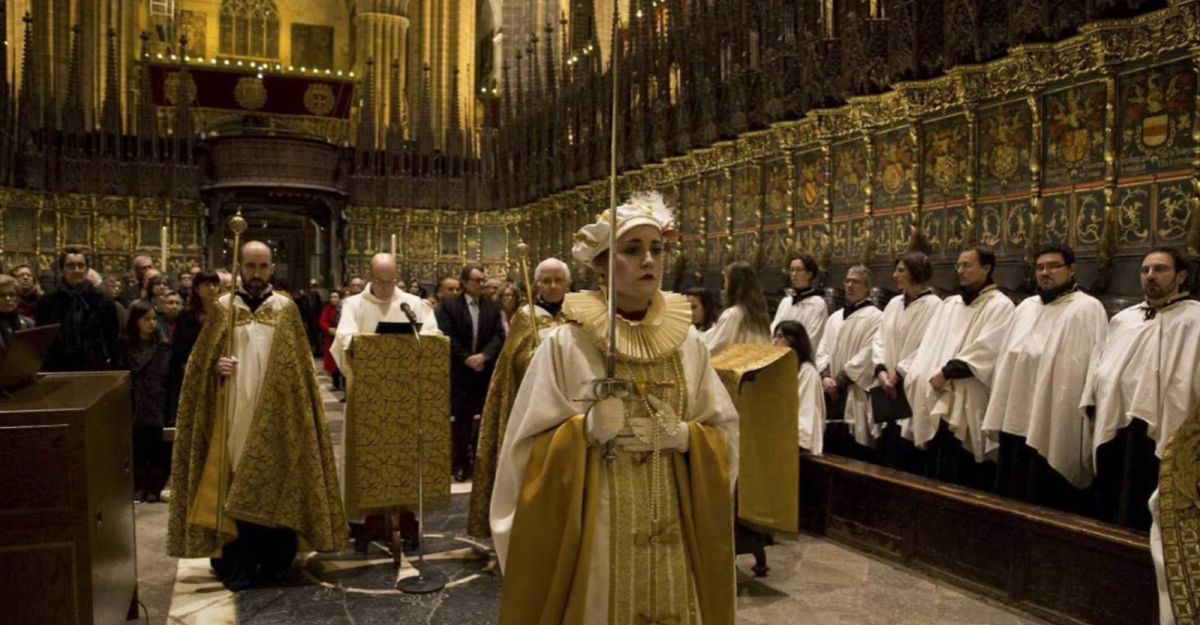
(944, 171)
(691, 223)
(892, 190)
(716, 198)
(1074, 178)
(1156, 149)
(849, 195)
(1005, 140)
(812, 183)
(777, 214)
(747, 198)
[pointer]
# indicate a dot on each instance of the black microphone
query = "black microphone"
(408, 312)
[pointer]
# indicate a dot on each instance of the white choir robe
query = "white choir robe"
(252, 348)
(811, 312)
(1148, 369)
(557, 376)
(849, 346)
(731, 329)
(812, 409)
(362, 313)
(972, 334)
(1040, 378)
(900, 335)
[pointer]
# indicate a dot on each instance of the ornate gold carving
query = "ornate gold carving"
(319, 99)
(250, 93)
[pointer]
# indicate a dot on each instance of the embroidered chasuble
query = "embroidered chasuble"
(763, 381)
(506, 381)
(576, 534)
(1175, 539)
(280, 465)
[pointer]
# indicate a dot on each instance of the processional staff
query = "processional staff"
(523, 252)
(237, 225)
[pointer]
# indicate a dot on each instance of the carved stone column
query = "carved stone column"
(382, 36)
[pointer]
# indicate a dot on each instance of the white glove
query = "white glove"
(641, 429)
(605, 419)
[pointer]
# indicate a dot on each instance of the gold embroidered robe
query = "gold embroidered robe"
(574, 532)
(506, 381)
(284, 473)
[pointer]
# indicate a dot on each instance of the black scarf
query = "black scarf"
(554, 308)
(1152, 311)
(970, 296)
(908, 300)
(800, 296)
(254, 301)
(9, 323)
(75, 322)
(1053, 294)
(853, 308)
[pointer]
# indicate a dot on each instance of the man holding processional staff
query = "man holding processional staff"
(269, 483)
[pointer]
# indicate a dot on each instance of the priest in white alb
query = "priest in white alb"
(1149, 370)
(805, 303)
(1032, 425)
(846, 357)
(951, 377)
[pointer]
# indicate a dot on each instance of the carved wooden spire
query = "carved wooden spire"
(147, 115)
(110, 115)
(425, 142)
(183, 108)
(395, 130)
(365, 145)
(454, 134)
(73, 122)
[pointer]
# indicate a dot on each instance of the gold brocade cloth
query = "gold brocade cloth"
(506, 381)
(1179, 517)
(762, 381)
(386, 398)
(287, 475)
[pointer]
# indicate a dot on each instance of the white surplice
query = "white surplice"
(252, 348)
(849, 347)
(811, 312)
(1148, 369)
(900, 334)
(731, 329)
(812, 409)
(557, 377)
(970, 333)
(362, 313)
(1040, 378)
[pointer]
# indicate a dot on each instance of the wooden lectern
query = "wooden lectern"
(392, 384)
(67, 550)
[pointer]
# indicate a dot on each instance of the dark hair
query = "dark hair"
(183, 273)
(796, 335)
(1062, 249)
(465, 275)
(445, 278)
(742, 289)
(73, 251)
(132, 335)
(195, 304)
(1177, 257)
(810, 263)
(154, 281)
(986, 257)
(13, 270)
(708, 301)
(918, 266)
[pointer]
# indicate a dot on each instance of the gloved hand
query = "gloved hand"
(641, 429)
(605, 419)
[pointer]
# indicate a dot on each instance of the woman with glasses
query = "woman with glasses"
(805, 303)
(10, 320)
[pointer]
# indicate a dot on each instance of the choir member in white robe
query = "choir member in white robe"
(805, 303)
(1149, 370)
(1032, 419)
(745, 320)
(812, 403)
(846, 357)
(950, 380)
(576, 554)
(905, 319)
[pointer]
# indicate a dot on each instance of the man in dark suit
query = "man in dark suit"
(476, 336)
(87, 338)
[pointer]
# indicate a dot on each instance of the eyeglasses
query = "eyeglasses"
(1049, 267)
(477, 280)
(12, 296)
(853, 281)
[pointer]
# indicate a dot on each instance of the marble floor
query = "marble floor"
(812, 581)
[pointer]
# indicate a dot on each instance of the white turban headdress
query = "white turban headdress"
(643, 209)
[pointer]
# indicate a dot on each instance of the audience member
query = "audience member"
(28, 289)
(168, 306)
(87, 338)
(10, 319)
(140, 266)
(146, 352)
(510, 300)
(205, 287)
(330, 317)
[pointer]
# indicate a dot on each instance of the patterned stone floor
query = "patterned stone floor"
(812, 581)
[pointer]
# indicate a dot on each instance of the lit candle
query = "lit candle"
(166, 251)
(393, 245)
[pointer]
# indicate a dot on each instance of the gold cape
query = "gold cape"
(556, 517)
(1179, 518)
(286, 476)
(506, 381)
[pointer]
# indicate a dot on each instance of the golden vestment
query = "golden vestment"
(1179, 520)
(286, 475)
(506, 381)
(576, 533)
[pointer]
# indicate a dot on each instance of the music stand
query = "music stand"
(21, 362)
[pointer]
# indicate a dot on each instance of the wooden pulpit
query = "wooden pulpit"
(393, 382)
(67, 549)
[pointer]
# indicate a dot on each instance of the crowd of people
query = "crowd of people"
(973, 388)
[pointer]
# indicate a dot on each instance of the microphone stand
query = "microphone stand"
(424, 582)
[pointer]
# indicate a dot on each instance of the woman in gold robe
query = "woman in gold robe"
(619, 511)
